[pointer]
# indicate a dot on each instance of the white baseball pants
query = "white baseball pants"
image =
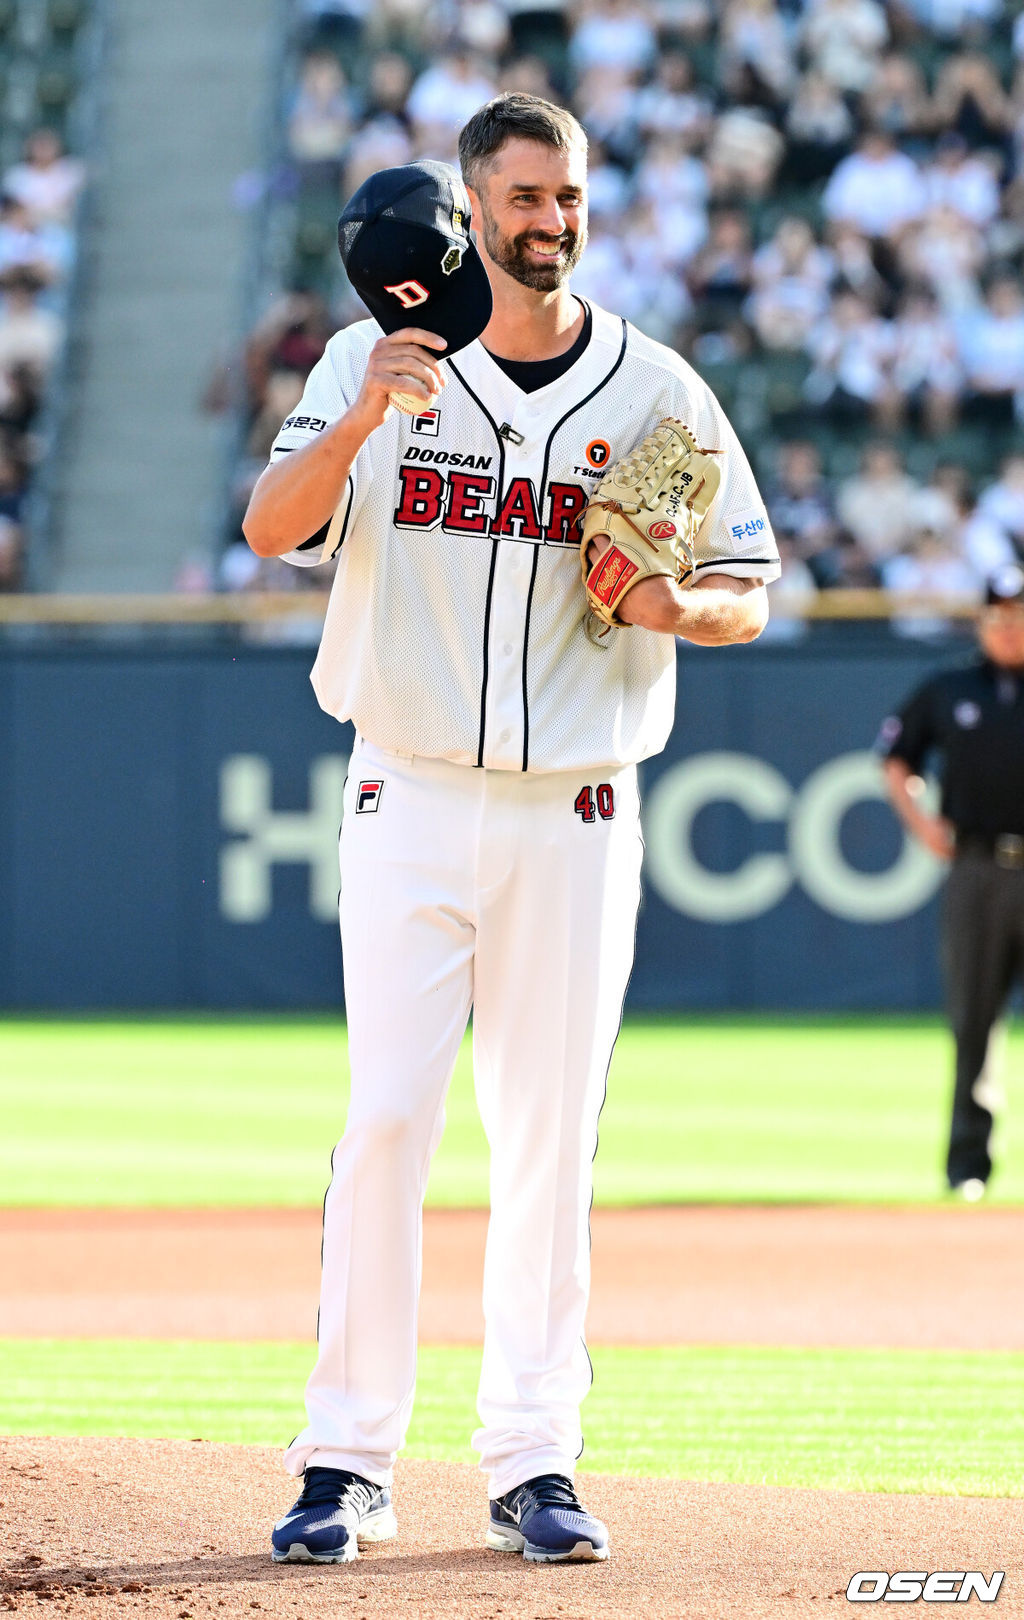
(514, 895)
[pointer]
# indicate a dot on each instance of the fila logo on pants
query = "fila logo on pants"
(368, 797)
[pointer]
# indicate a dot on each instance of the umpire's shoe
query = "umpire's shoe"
(545, 1520)
(335, 1513)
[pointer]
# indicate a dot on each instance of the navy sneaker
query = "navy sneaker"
(545, 1520)
(336, 1511)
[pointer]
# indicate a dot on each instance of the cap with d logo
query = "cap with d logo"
(405, 244)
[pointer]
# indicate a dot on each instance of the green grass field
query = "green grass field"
(929, 1421)
(186, 1111)
(246, 1111)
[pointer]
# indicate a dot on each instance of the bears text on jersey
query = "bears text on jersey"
(466, 503)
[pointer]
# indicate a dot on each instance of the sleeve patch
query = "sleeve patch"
(748, 525)
(309, 424)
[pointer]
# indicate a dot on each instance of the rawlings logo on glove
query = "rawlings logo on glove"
(645, 516)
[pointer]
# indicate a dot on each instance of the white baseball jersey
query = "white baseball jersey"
(455, 627)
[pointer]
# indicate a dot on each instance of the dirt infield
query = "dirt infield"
(164, 1528)
(682, 1275)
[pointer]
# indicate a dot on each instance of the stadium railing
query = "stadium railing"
(258, 609)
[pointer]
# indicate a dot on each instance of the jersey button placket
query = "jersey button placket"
(504, 732)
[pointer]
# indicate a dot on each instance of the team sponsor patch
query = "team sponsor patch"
(598, 452)
(452, 259)
(747, 525)
(616, 571)
(312, 424)
(426, 422)
(368, 796)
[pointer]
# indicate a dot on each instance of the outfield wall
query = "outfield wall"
(168, 824)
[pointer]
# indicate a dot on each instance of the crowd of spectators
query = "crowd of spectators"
(37, 203)
(820, 203)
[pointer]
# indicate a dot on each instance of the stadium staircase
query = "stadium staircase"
(166, 257)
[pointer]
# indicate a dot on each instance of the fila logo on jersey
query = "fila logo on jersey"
(409, 293)
(426, 422)
(368, 797)
(458, 502)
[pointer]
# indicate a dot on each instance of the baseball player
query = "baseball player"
(490, 847)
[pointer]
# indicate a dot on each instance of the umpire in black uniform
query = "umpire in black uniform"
(973, 717)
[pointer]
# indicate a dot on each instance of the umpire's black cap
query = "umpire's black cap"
(405, 244)
(1005, 585)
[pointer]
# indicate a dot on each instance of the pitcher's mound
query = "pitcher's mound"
(167, 1528)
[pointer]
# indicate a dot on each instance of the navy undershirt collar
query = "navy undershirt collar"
(529, 375)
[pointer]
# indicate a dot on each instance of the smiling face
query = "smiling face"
(532, 212)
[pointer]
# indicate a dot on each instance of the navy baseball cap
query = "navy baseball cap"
(405, 244)
(1005, 585)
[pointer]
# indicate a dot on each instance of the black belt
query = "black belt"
(1006, 849)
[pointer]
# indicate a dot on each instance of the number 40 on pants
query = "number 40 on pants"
(591, 803)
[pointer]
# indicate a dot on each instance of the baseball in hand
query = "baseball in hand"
(412, 404)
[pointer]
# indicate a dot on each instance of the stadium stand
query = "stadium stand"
(819, 202)
(48, 55)
(185, 93)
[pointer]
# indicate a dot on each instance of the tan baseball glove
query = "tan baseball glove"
(645, 515)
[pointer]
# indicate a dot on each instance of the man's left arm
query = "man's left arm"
(724, 565)
(716, 611)
(729, 603)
